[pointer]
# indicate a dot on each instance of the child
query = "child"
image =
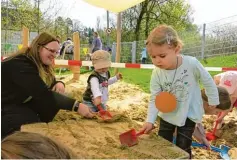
(144, 56)
(97, 84)
(179, 75)
(228, 80)
(26, 145)
(225, 104)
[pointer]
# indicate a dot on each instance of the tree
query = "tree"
(139, 20)
(60, 26)
(69, 26)
(221, 40)
(52, 10)
(16, 13)
(98, 25)
(79, 27)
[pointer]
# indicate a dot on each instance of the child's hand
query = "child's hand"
(119, 76)
(222, 116)
(212, 106)
(59, 87)
(205, 141)
(147, 127)
(217, 79)
(97, 101)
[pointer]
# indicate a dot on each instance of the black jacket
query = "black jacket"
(21, 80)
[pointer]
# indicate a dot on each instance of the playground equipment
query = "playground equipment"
(70, 57)
(25, 35)
(20, 46)
(7, 47)
(85, 50)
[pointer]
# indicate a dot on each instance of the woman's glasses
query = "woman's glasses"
(52, 50)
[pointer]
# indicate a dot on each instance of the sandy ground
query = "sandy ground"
(129, 106)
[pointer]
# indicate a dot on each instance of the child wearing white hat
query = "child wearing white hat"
(97, 84)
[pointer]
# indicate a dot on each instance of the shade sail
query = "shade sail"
(114, 5)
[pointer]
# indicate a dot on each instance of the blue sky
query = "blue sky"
(205, 11)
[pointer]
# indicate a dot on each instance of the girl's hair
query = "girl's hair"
(46, 71)
(164, 34)
(26, 145)
(224, 98)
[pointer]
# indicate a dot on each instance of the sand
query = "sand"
(96, 139)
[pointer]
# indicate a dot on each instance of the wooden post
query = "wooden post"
(118, 49)
(25, 37)
(76, 51)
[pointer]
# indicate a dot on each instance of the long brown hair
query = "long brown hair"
(46, 72)
(26, 145)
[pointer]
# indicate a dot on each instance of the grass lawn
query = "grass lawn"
(141, 77)
(65, 72)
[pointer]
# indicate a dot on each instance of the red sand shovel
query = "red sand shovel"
(105, 115)
(211, 135)
(129, 138)
(235, 104)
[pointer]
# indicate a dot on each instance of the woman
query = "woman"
(97, 44)
(30, 92)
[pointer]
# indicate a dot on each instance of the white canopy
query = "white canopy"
(114, 5)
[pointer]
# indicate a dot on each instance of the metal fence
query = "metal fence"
(218, 38)
(11, 41)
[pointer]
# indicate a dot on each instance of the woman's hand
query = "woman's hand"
(85, 111)
(59, 87)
